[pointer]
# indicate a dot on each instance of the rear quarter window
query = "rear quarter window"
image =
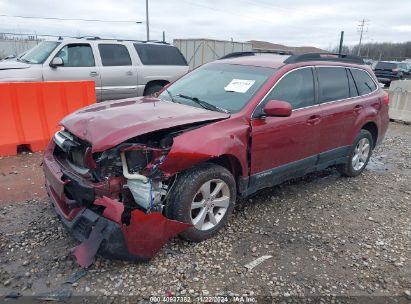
(363, 81)
(333, 83)
(153, 54)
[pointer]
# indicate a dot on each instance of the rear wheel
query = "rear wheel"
(204, 197)
(359, 156)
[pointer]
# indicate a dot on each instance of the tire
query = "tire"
(190, 190)
(353, 168)
(152, 89)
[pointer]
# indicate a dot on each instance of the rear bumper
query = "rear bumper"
(386, 78)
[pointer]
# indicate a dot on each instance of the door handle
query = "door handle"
(93, 74)
(313, 120)
(358, 108)
(129, 73)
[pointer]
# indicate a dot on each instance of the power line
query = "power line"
(234, 13)
(71, 19)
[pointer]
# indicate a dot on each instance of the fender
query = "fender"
(226, 137)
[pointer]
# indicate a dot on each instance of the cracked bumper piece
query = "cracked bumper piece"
(139, 241)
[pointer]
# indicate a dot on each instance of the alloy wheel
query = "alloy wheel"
(210, 204)
(361, 153)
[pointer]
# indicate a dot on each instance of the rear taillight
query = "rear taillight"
(386, 99)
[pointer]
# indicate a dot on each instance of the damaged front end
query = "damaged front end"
(113, 201)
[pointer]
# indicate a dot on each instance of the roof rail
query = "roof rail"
(253, 53)
(237, 54)
(119, 39)
(89, 37)
(325, 57)
(156, 41)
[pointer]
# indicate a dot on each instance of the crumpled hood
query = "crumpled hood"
(11, 64)
(108, 124)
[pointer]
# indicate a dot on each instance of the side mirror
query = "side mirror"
(56, 62)
(277, 108)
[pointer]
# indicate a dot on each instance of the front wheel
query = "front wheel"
(359, 156)
(204, 197)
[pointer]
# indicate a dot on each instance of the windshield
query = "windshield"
(225, 86)
(39, 53)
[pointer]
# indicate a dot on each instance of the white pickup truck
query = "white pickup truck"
(119, 68)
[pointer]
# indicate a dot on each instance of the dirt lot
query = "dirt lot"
(326, 235)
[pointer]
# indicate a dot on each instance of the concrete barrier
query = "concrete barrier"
(400, 105)
(403, 85)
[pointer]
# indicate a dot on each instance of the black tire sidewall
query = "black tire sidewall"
(186, 186)
(362, 134)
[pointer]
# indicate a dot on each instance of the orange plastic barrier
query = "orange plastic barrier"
(30, 111)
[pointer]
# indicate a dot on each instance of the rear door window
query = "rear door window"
(333, 84)
(364, 82)
(297, 88)
(114, 55)
(156, 54)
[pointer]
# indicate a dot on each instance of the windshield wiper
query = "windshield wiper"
(170, 95)
(23, 60)
(204, 104)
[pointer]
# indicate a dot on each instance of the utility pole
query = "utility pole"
(361, 30)
(147, 22)
(341, 43)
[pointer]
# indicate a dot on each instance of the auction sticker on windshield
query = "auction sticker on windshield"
(239, 85)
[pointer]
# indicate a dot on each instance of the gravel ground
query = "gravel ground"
(326, 235)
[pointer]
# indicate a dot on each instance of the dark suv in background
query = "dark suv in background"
(386, 71)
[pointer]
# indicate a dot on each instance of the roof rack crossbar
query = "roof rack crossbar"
(253, 53)
(325, 57)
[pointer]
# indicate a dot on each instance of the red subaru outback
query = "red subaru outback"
(126, 175)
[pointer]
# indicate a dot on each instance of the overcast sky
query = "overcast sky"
(290, 22)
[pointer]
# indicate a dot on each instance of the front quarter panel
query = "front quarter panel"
(227, 137)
